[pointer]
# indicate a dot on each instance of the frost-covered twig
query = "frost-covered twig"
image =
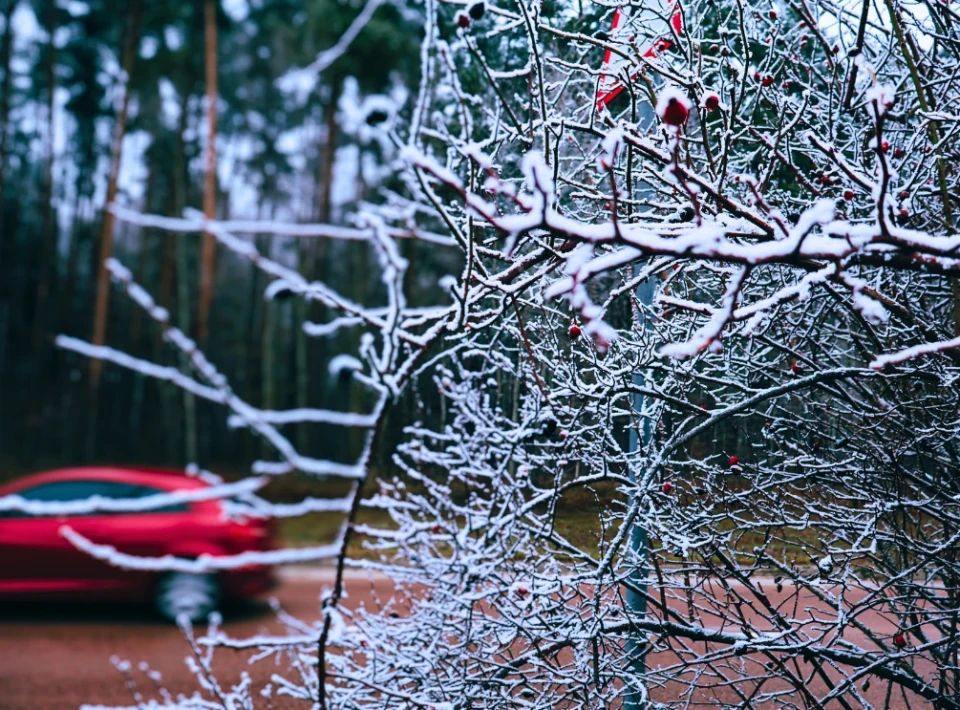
(204, 562)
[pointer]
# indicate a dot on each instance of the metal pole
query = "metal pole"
(641, 435)
(636, 601)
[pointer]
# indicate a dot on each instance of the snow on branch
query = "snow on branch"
(197, 223)
(203, 563)
(255, 507)
(915, 351)
(217, 389)
(302, 82)
(707, 336)
(154, 501)
(313, 416)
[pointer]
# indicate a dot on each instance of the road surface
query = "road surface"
(55, 657)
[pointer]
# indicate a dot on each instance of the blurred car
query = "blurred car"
(38, 562)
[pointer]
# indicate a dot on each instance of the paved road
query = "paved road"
(55, 657)
(58, 657)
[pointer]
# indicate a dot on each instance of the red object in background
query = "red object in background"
(610, 85)
(37, 562)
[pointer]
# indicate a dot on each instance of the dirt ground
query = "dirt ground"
(58, 657)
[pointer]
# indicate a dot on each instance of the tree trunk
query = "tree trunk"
(183, 279)
(138, 316)
(208, 254)
(250, 379)
(325, 183)
(18, 277)
(360, 268)
(6, 279)
(66, 310)
(69, 424)
(106, 234)
(6, 47)
(324, 212)
(143, 246)
(171, 414)
(267, 351)
(48, 235)
(313, 256)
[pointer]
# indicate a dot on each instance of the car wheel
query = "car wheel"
(191, 595)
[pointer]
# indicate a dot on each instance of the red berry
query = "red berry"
(766, 81)
(899, 640)
(734, 460)
(795, 367)
(898, 152)
(703, 407)
(463, 20)
(836, 49)
(756, 76)
(848, 195)
(904, 213)
(435, 529)
(574, 331)
(714, 48)
(675, 114)
(904, 194)
(712, 102)
(522, 591)
(773, 14)
(668, 488)
(885, 146)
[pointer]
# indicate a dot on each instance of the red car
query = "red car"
(38, 562)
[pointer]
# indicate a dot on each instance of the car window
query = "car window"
(81, 490)
(143, 491)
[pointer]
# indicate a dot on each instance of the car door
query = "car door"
(147, 533)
